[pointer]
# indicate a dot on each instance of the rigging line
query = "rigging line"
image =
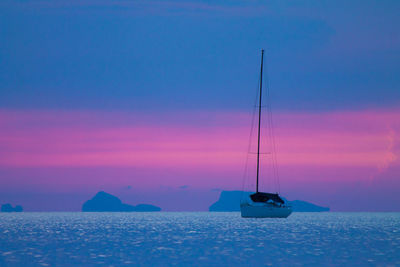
(275, 156)
(249, 147)
(270, 182)
(272, 132)
(250, 139)
(271, 135)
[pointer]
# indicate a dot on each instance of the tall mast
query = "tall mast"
(259, 118)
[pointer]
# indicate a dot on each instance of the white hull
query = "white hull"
(264, 210)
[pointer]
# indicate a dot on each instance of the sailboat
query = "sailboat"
(262, 204)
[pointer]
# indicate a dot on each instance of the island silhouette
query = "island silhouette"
(105, 202)
(230, 201)
(9, 208)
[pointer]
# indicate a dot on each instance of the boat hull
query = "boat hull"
(264, 211)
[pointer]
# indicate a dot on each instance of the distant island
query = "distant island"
(230, 201)
(104, 202)
(9, 208)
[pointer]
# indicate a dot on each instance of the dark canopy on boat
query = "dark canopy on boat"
(264, 197)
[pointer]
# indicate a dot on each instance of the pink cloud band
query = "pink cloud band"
(38, 138)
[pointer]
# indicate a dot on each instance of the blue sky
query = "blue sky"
(151, 55)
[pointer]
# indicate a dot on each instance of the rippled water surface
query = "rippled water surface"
(160, 239)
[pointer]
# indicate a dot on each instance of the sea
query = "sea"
(198, 239)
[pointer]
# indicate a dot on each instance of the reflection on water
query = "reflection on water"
(64, 239)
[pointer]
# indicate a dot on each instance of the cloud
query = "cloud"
(327, 139)
(149, 7)
(183, 187)
(390, 155)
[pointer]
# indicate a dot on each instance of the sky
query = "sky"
(152, 101)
